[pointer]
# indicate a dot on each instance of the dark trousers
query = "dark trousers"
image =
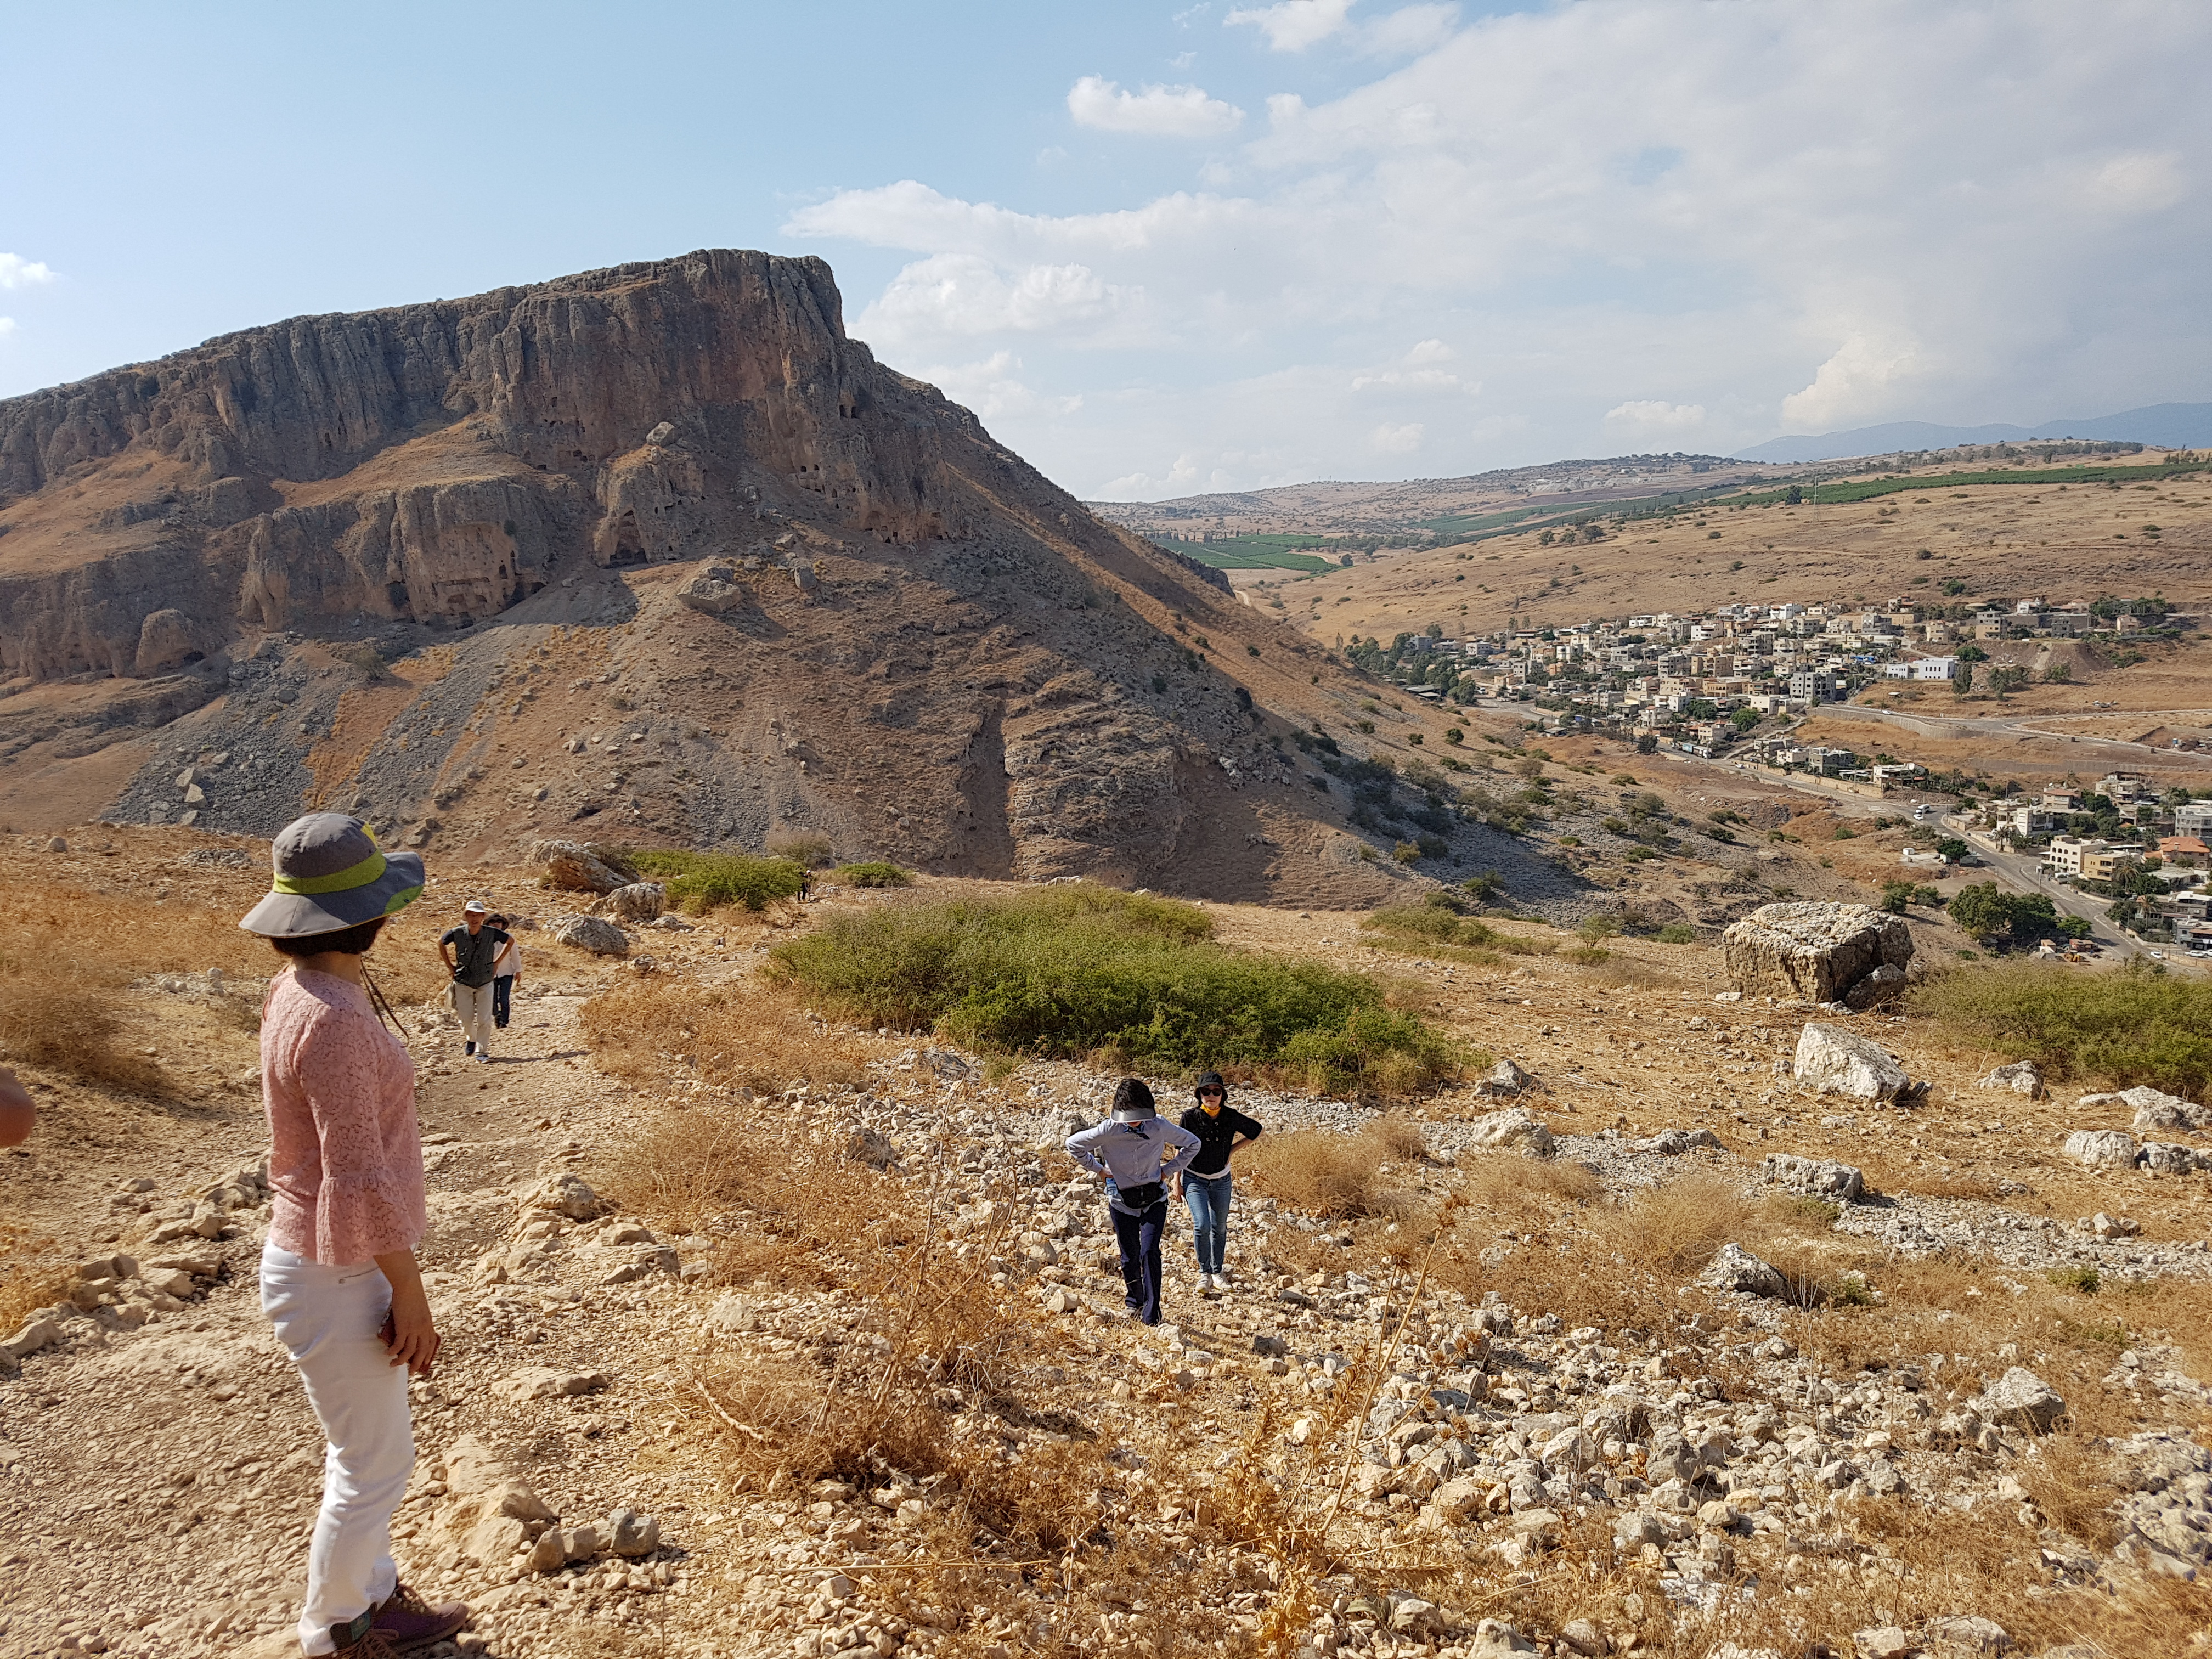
(502, 999)
(1138, 1237)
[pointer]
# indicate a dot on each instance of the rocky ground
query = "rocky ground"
(1903, 1425)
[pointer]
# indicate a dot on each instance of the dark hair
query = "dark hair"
(1131, 1091)
(494, 922)
(347, 941)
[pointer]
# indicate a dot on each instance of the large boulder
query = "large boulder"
(2156, 1109)
(2099, 1148)
(1811, 952)
(1512, 1128)
(642, 901)
(1816, 1177)
(1836, 1061)
(593, 933)
(574, 867)
(715, 591)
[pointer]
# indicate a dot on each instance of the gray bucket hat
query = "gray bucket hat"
(331, 875)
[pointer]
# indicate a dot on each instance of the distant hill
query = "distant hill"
(2184, 426)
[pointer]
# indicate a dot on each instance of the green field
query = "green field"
(1256, 553)
(1867, 489)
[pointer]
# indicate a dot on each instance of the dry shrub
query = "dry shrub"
(68, 1026)
(1628, 972)
(58, 999)
(738, 1035)
(1327, 1174)
(1671, 1231)
(26, 1283)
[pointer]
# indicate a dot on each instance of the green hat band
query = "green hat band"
(342, 881)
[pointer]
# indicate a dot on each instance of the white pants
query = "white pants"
(473, 1004)
(329, 1317)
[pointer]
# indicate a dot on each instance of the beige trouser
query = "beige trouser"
(473, 1004)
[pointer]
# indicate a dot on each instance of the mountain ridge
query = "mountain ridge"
(655, 550)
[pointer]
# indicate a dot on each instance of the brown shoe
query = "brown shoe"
(404, 1621)
(357, 1637)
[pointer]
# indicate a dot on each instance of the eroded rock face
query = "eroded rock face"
(1814, 953)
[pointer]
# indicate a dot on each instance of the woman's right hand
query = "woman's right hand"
(414, 1339)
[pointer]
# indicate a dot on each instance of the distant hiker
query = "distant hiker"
(472, 956)
(1204, 1185)
(338, 1276)
(806, 884)
(506, 968)
(1138, 1154)
(19, 1113)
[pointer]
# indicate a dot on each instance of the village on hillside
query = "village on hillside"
(1732, 682)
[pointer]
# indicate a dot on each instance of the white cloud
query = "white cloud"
(1397, 439)
(1157, 112)
(1295, 25)
(994, 387)
(6, 326)
(1854, 385)
(966, 295)
(17, 271)
(1637, 419)
(1644, 193)
(2140, 183)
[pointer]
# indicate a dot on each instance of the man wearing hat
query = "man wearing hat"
(1138, 1153)
(471, 955)
(339, 1281)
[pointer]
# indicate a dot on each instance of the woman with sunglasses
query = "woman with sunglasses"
(1204, 1185)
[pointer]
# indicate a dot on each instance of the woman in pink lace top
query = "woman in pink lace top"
(338, 1276)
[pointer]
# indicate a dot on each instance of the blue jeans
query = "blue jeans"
(1208, 1197)
(502, 999)
(1139, 1239)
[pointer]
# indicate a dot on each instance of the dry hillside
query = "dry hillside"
(830, 1310)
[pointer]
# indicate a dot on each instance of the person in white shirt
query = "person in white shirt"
(506, 968)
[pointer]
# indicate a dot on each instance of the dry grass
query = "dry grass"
(58, 998)
(1337, 1175)
(26, 1283)
(734, 1035)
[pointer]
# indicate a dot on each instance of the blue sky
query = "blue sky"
(1212, 246)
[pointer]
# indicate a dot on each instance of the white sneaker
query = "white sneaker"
(1212, 1282)
(1221, 1282)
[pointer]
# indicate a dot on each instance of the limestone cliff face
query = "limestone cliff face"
(438, 460)
(887, 629)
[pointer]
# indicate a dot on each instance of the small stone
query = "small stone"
(542, 1382)
(1883, 1642)
(570, 1195)
(2020, 1076)
(2020, 1400)
(1495, 1639)
(1967, 1636)
(1581, 1637)
(1815, 1176)
(1734, 1268)
(632, 1532)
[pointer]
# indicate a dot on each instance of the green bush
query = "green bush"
(1678, 932)
(708, 881)
(2137, 1025)
(1079, 970)
(875, 873)
(2081, 1279)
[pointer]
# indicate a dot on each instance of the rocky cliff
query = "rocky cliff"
(666, 543)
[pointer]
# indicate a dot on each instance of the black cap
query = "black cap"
(1210, 1080)
(1132, 1101)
